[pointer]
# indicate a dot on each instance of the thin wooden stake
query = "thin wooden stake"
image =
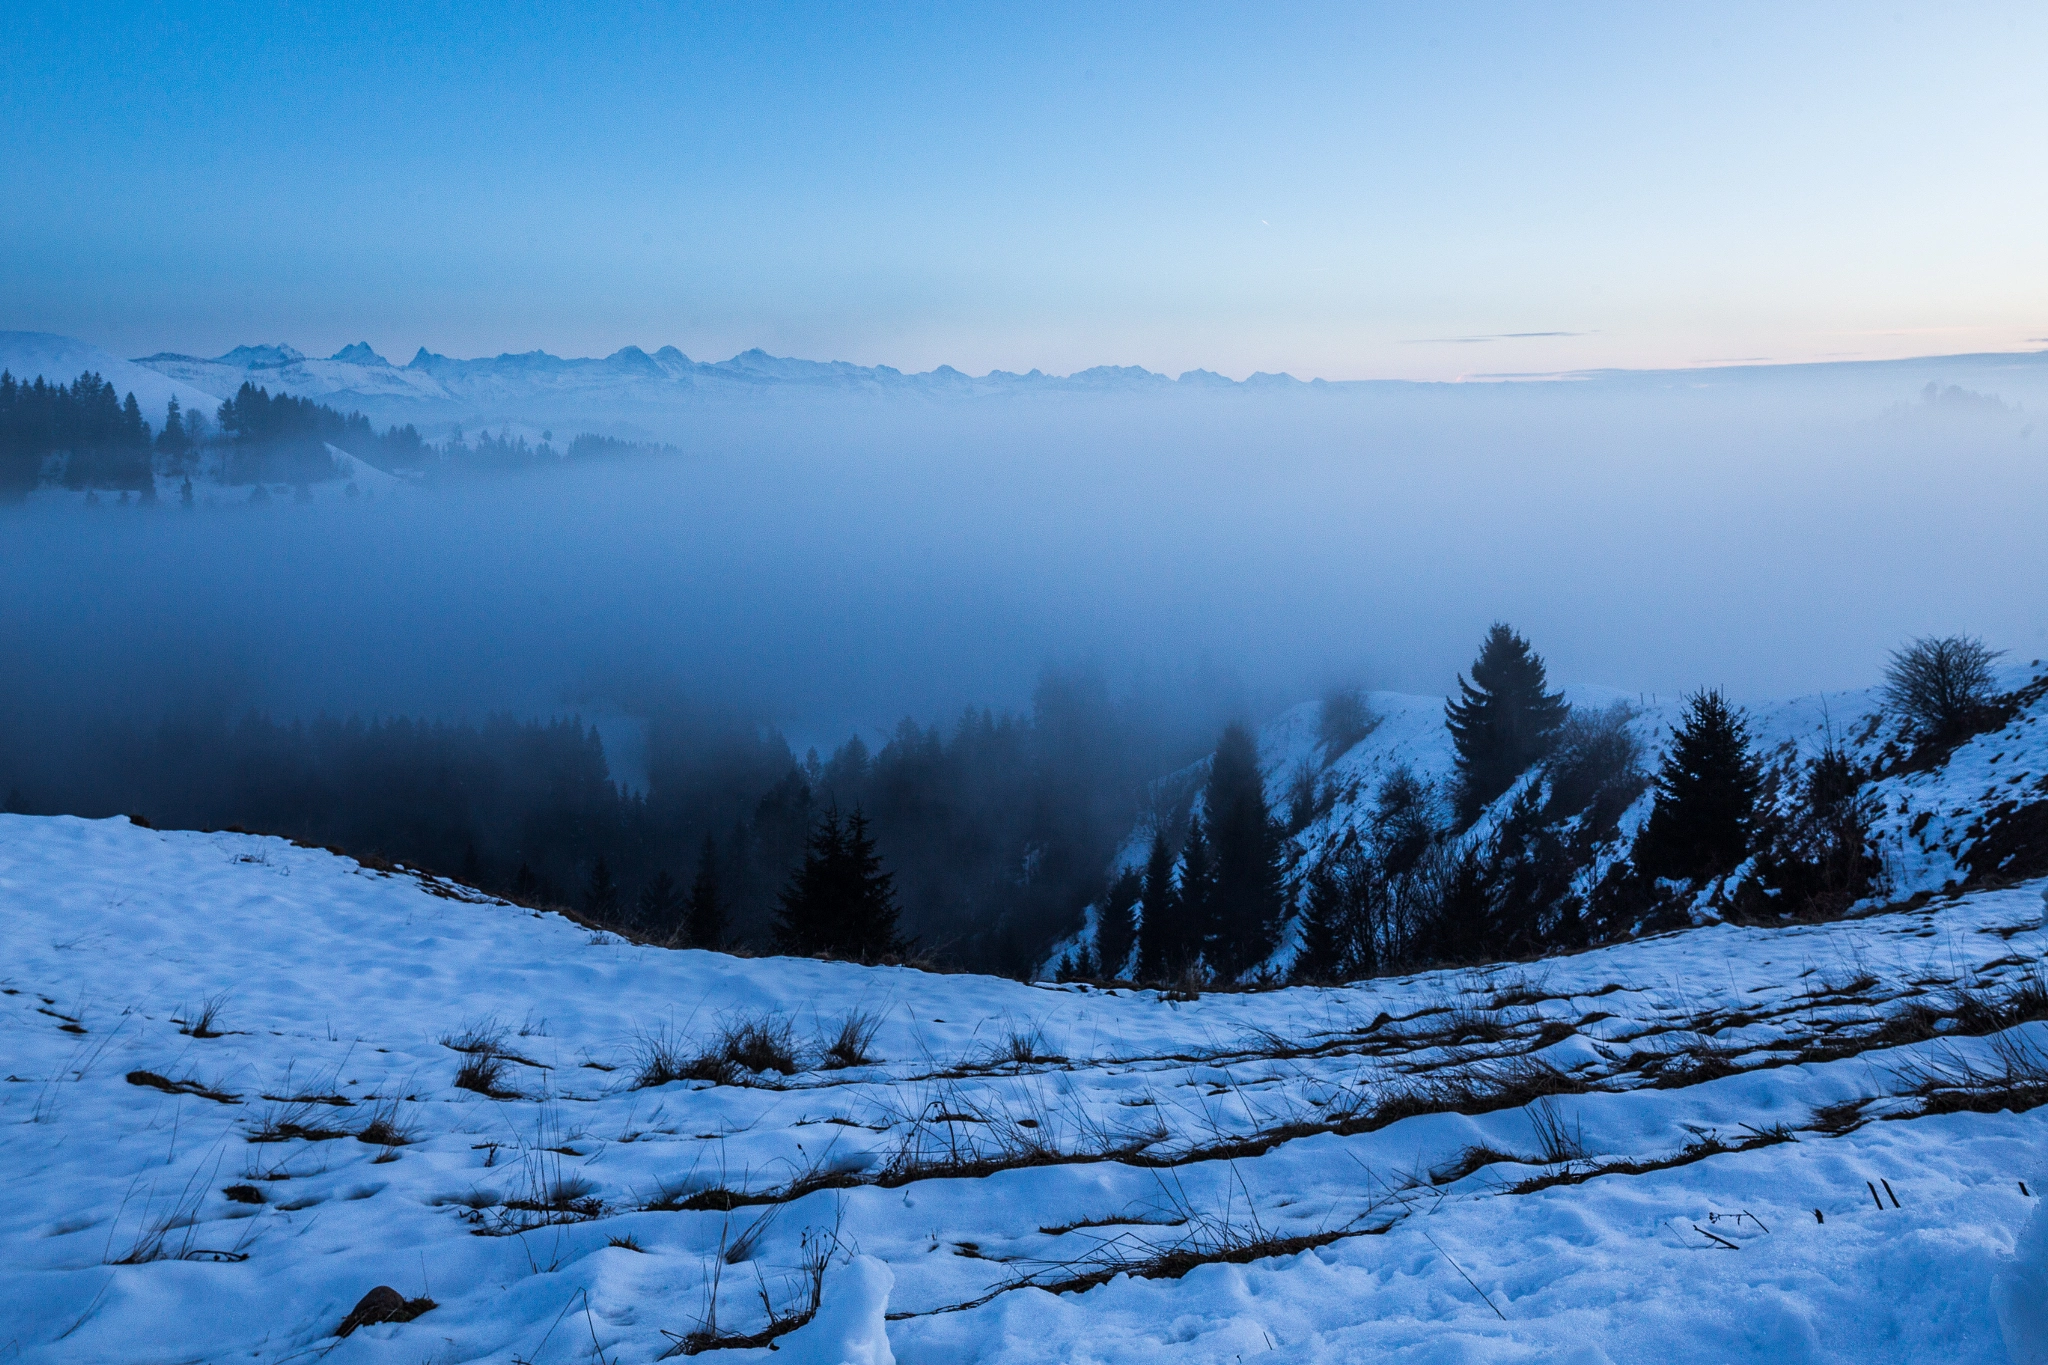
(1888, 1190)
(1873, 1196)
(1722, 1240)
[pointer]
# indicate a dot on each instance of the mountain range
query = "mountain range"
(632, 391)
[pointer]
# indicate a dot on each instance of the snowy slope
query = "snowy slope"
(59, 360)
(1676, 1149)
(1928, 824)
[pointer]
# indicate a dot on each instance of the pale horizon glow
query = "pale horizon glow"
(1329, 191)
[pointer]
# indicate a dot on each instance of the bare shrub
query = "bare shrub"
(660, 1057)
(759, 1043)
(1343, 719)
(1022, 1045)
(485, 1036)
(1940, 685)
(851, 1045)
(745, 1049)
(205, 1022)
(484, 1073)
(387, 1128)
(1558, 1138)
(1596, 766)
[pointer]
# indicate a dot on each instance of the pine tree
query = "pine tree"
(840, 903)
(1246, 902)
(1159, 933)
(1115, 927)
(1706, 808)
(601, 897)
(1503, 721)
(658, 910)
(706, 916)
(1322, 928)
(1198, 928)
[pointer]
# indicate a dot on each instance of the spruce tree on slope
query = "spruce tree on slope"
(601, 897)
(1322, 954)
(1706, 810)
(704, 921)
(1503, 720)
(658, 910)
(1245, 902)
(840, 902)
(1115, 927)
(1198, 930)
(1159, 933)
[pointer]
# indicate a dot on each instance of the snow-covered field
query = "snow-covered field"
(1723, 1144)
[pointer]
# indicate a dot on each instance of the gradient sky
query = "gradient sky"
(1349, 191)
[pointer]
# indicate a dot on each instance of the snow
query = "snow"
(2021, 1293)
(959, 1173)
(60, 359)
(849, 1328)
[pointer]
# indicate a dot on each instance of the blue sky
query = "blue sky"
(1340, 190)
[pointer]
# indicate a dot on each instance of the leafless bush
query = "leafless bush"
(485, 1037)
(484, 1073)
(203, 1023)
(1940, 684)
(1021, 1045)
(745, 1049)
(2015, 1078)
(759, 1043)
(1558, 1138)
(851, 1045)
(388, 1128)
(1343, 719)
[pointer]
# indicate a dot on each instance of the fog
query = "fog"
(832, 566)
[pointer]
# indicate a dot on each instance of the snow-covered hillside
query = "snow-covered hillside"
(59, 360)
(234, 1103)
(1979, 813)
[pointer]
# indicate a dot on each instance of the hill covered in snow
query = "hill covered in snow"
(249, 1082)
(1937, 817)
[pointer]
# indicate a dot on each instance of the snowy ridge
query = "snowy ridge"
(1931, 825)
(1553, 1162)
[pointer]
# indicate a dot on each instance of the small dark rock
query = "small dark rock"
(243, 1194)
(382, 1304)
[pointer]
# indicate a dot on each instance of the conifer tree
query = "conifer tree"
(658, 910)
(1198, 929)
(840, 903)
(1159, 932)
(1503, 720)
(1115, 927)
(1322, 928)
(1245, 902)
(525, 886)
(706, 922)
(1706, 808)
(601, 897)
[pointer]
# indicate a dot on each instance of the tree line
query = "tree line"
(989, 835)
(1531, 848)
(80, 435)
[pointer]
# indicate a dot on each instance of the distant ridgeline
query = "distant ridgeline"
(81, 436)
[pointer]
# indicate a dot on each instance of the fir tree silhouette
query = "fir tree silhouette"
(1115, 927)
(1503, 720)
(1706, 809)
(658, 910)
(601, 897)
(840, 903)
(706, 912)
(1245, 901)
(1160, 933)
